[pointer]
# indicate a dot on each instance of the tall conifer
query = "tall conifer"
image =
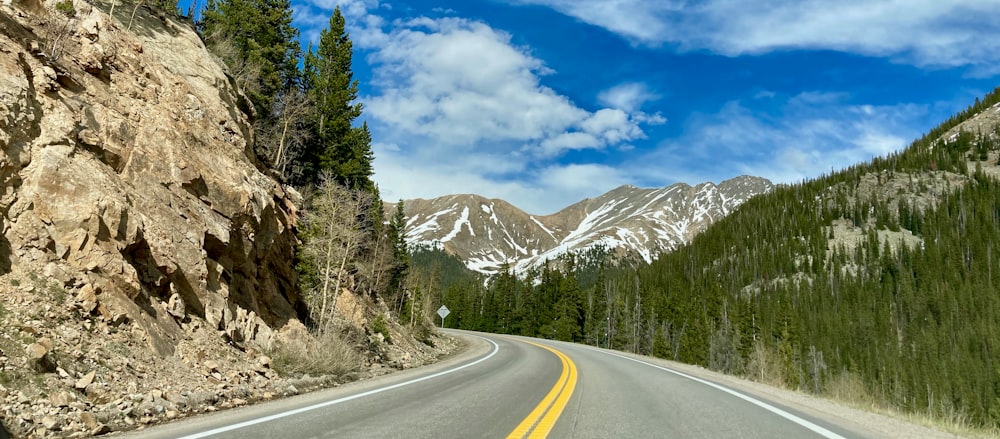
(339, 146)
(400, 250)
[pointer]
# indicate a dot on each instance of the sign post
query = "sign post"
(443, 311)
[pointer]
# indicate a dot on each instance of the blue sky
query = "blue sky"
(546, 102)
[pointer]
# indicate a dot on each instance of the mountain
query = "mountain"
(487, 233)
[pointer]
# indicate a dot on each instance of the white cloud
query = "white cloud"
(613, 125)
(640, 20)
(811, 134)
(629, 96)
(462, 83)
(569, 141)
(578, 181)
(540, 192)
(922, 32)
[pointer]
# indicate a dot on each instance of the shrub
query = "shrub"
(849, 388)
(381, 327)
(327, 354)
(66, 8)
(765, 366)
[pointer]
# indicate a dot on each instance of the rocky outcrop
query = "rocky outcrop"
(126, 176)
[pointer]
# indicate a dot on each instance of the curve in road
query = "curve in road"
(517, 387)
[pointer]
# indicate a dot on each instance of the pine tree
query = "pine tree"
(256, 40)
(400, 265)
(338, 147)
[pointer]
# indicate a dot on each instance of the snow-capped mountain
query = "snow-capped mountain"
(486, 233)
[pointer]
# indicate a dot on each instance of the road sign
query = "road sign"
(443, 311)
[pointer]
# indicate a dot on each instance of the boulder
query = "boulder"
(39, 356)
(51, 423)
(85, 380)
(89, 420)
(61, 399)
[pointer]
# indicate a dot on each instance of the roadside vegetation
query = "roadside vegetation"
(326, 354)
(304, 108)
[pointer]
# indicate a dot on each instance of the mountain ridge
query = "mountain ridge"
(488, 233)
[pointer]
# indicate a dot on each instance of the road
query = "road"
(515, 387)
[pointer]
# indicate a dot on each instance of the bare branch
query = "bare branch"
(334, 244)
(283, 136)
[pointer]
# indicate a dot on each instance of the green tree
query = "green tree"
(256, 40)
(400, 264)
(338, 146)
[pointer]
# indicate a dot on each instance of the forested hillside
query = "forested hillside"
(880, 279)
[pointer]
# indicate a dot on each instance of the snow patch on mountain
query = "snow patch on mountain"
(535, 220)
(462, 221)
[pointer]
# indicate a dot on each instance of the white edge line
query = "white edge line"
(784, 414)
(496, 348)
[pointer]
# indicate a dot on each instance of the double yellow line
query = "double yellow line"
(540, 421)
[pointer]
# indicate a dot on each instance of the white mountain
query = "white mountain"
(486, 233)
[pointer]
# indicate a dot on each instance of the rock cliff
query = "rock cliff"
(126, 175)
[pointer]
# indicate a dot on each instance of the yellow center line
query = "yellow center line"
(540, 421)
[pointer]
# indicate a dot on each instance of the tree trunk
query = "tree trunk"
(326, 278)
(343, 264)
(281, 146)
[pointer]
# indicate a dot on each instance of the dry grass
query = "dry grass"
(946, 419)
(327, 354)
(848, 388)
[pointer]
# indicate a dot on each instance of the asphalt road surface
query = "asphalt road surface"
(507, 386)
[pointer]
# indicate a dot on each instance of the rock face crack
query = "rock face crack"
(29, 131)
(153, 279)
(5, 249)
(18, 128)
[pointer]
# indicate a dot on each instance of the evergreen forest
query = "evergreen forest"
(811, 286)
